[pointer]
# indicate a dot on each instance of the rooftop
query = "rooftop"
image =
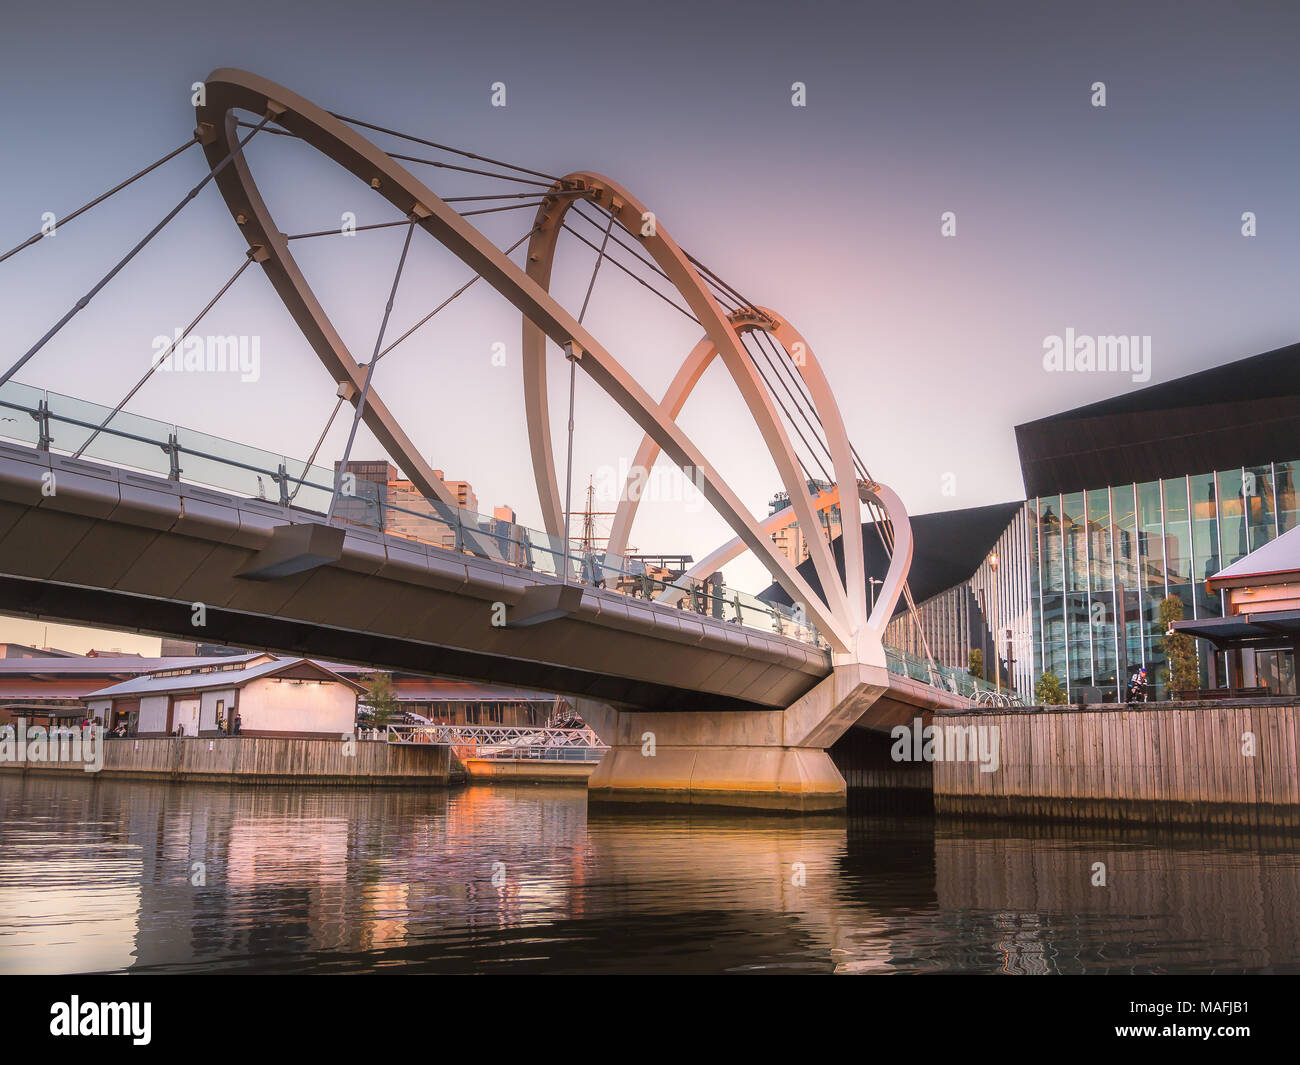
(172, 681)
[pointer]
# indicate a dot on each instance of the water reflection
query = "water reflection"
(109, 875)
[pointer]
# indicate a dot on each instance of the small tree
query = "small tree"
(382, 699)
(1049, 691)
(1180, 649)
(975, 663)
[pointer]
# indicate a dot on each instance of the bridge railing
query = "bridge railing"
(958, 681)
(68, 425)
(71, 426)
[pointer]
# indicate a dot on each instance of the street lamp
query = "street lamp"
(873, 582)
(997, 658)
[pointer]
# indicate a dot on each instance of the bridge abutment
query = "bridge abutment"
(748, 759)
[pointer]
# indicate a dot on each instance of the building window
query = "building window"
(1234, 540)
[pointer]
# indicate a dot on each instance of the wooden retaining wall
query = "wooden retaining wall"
(264, 760)
(1181, 762)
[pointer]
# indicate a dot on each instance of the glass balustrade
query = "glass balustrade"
(66, 425)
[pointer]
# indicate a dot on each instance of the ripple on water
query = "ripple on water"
(111, 875)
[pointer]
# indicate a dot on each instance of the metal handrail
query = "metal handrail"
(495, 736)
(513, 544)
(517, 545)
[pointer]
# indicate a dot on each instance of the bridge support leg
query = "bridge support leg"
(756, 759)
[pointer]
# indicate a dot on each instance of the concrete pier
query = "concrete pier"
(768, 760)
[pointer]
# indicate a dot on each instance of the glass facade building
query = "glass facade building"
(1102, 560)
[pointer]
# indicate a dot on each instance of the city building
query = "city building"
(1130, 500)
(1145, 496)
(37, 689)
(364, 501)
(395, 505)
(790, 540)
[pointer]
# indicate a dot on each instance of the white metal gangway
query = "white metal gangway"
(506, 741)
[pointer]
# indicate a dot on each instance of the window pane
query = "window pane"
(1205, 543)
(1287, 515)
(1232, 518)
(1151, 537)
(1049, 525)
(1124, 519)
(1257, 485)
(1099, 576)
(1074, 532)
(1178, 534)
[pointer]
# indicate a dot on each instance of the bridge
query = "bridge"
(702, 693)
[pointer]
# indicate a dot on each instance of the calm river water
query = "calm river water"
(110, 875)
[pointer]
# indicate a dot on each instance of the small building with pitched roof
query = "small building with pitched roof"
(249, 695)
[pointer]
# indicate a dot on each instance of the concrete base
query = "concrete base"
(748, 759)
(797, 779)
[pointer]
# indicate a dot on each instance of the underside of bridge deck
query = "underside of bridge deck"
(112, 547)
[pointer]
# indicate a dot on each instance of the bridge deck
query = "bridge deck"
(118, 547)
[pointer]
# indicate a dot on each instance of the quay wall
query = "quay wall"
(1202, 763)
(263, 760)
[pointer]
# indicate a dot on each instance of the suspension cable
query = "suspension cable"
(812, 453)
(738, 301)
(639, 280)
(704, 269)
(339, 232)
(81, 303)
(512, 195)
(440, 165)
(370, 372)
(507, 207)
(443, 147)
(637, 252)
(163, 357)
(765, 343)
(573, 378)
(314, 451)
(60, 223)
(444, 303)
(785, 369)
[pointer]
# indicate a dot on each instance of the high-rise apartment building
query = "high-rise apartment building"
(791, 540)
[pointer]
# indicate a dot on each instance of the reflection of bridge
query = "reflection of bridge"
(704, 694)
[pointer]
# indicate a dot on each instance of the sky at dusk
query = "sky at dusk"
(1124, 220)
